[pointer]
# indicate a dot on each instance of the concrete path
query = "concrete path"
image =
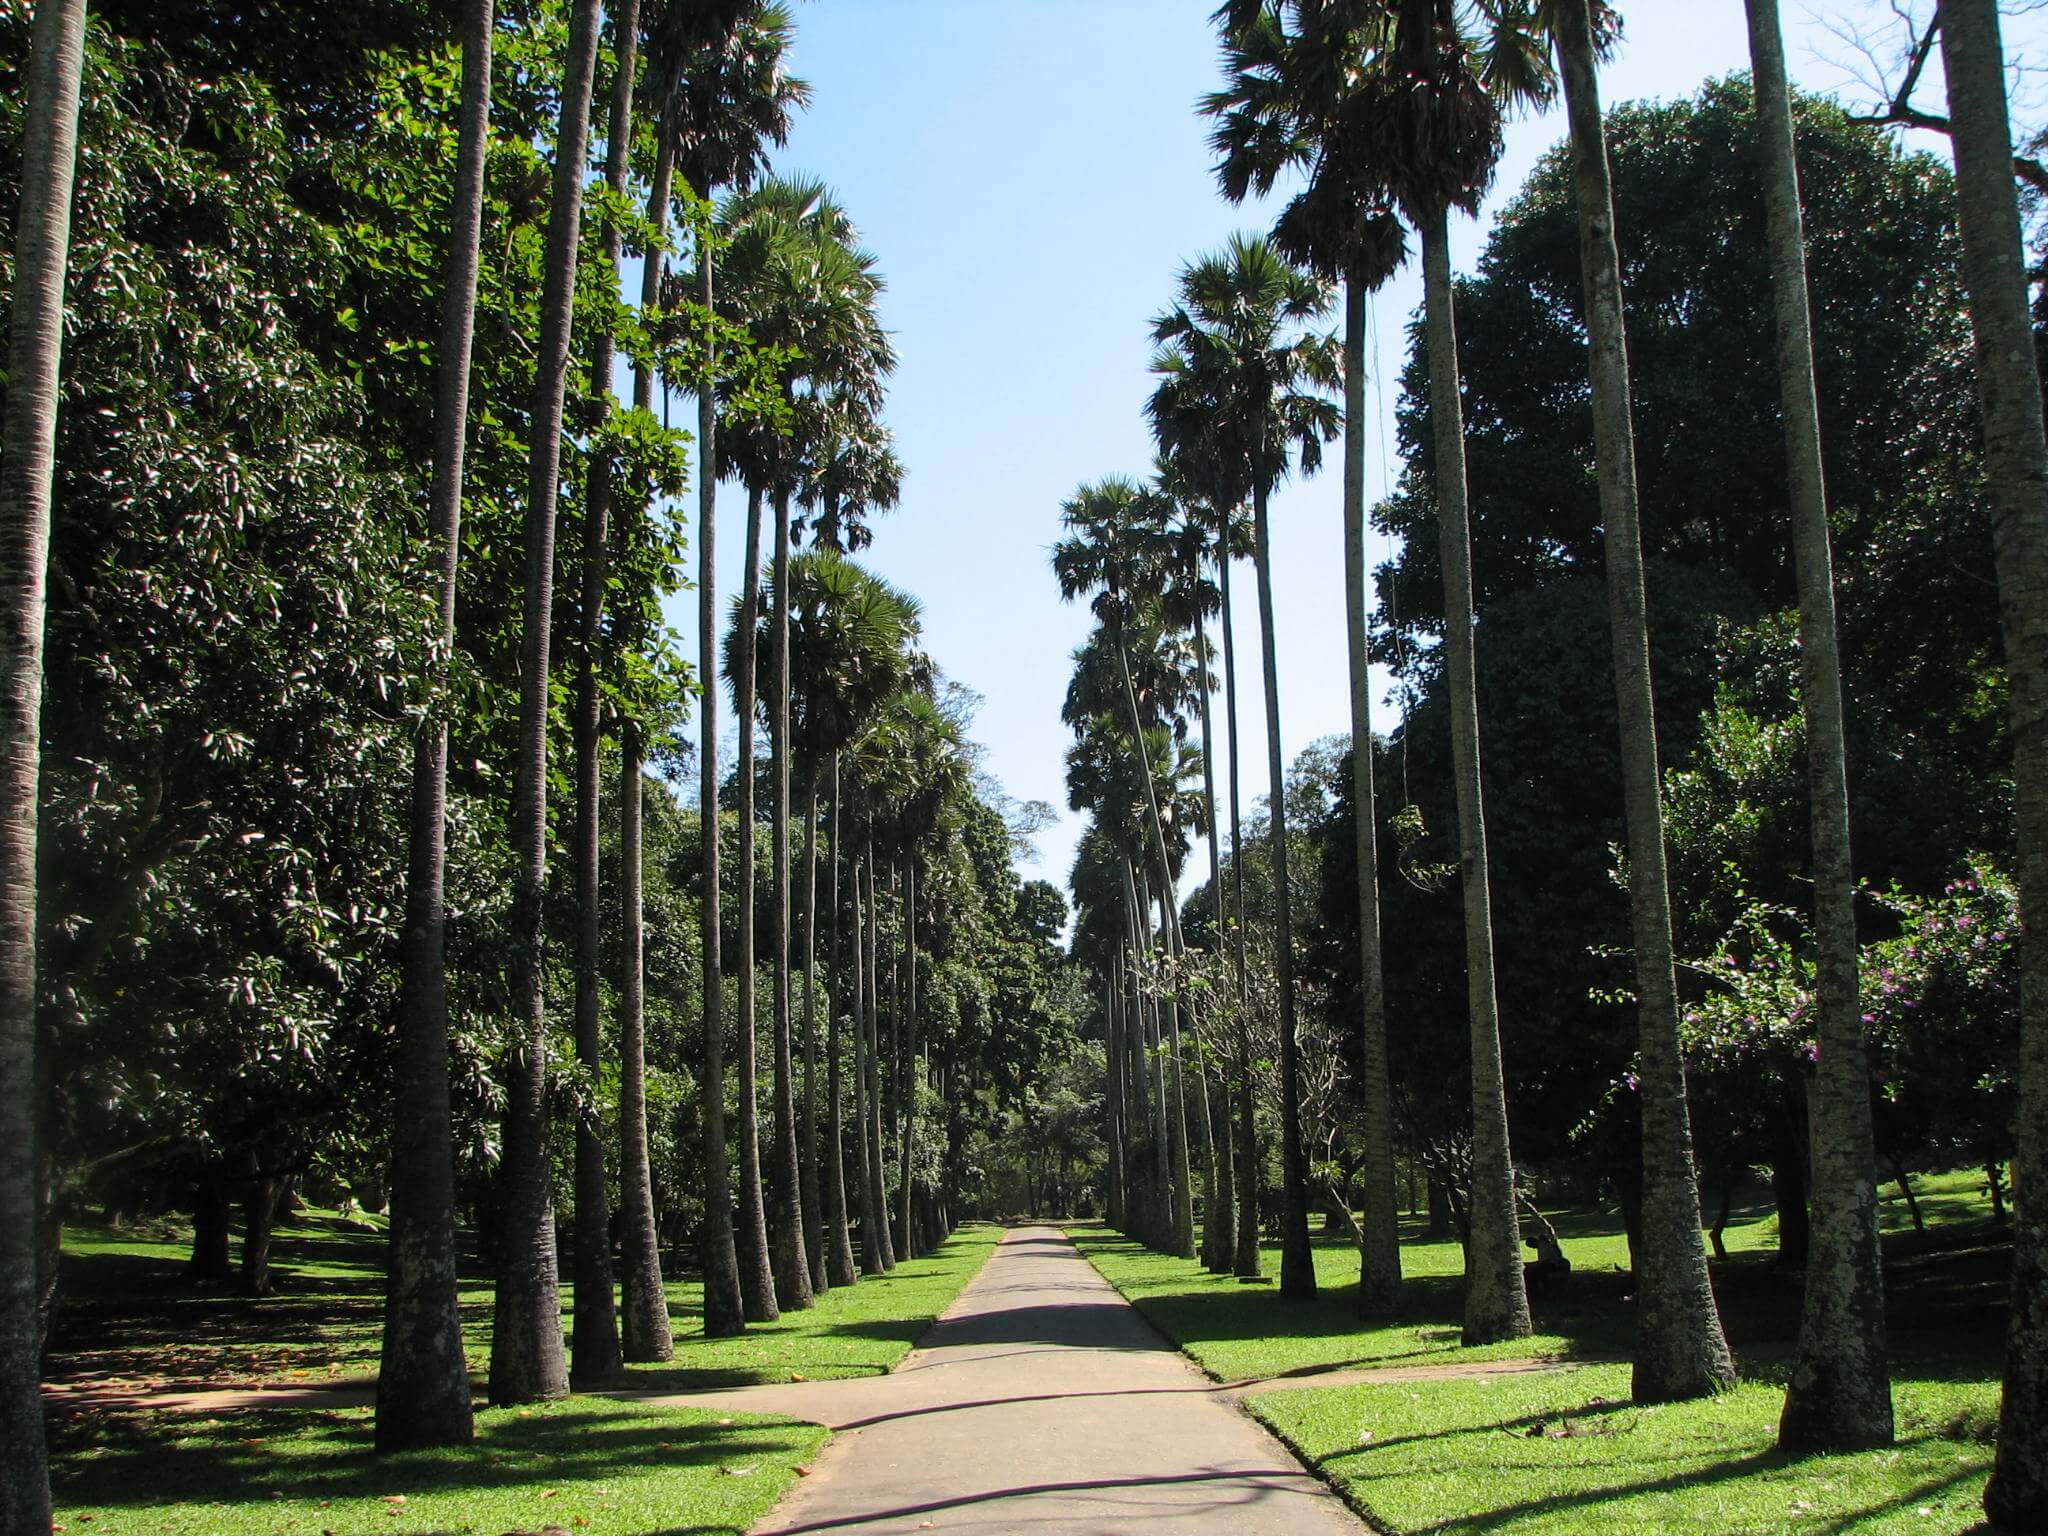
(1041, 1401)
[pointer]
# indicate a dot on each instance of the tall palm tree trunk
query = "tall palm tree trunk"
(1183, 1209)
(907, 1047)
(594, 1352)
(1297, 1260)
(1164, 1227)
(1222, 1193)
(526, 1333)
(1248, 1260)
(877, 1172)
(1379, 1258)
(1840, 1393)
(423, 1394)
(42, 255)
(757, 1277)
(792, 1263)
(2016, 475)
(1496, 1300)
(863, 960)
(1195, 1102)
(1114, 1209)
(1177, 1103)
(813, 1192)
(724, 1306)
(892, 1064)
(1681, 1350)
(841, 1241)
(644, 1312)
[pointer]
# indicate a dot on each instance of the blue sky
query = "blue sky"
(1032, 174)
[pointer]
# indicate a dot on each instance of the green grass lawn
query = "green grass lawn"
(861, 1330)
(585, 1465)
(1951, 1277)
(131, 1316)
(1565, 1454)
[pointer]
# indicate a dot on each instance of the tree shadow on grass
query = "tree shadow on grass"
(137, 1460)
(1612, 1422)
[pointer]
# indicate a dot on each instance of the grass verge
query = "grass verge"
(131, 1319)
(588, 1466)
(1949, 1281)
(1566, 1454)
(860, 1330)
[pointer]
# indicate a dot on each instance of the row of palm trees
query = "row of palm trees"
(849, 701)
(1389, 114)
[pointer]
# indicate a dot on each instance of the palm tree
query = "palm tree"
(1112, 545)
(643, 1300)
(1840, 1393)
(526, 1333)
(848, 635)
(2016, 469)
(799, 281)
(423, 1376)
(1237, 367)
(724, 94)
(1435, 148)
(1680, 1349)
(1288, 96)
(42, 253)
(926, 771)
(853, 469)
(594, 1341)
(1188, 601)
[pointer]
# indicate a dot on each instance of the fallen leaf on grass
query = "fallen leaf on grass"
(395, 1500)
(746, 1471)
(802, 1471)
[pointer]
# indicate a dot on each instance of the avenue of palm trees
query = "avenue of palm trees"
(1387, 118)
(850, 877)
(371, 834)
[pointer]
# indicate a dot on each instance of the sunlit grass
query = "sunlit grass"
(132, 1315)
(1237, 1330)
(1566, 1454)
(588, 1464)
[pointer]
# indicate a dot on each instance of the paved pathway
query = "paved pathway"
(1042, 1401)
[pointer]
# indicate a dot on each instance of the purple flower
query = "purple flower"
(1634, 1082)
